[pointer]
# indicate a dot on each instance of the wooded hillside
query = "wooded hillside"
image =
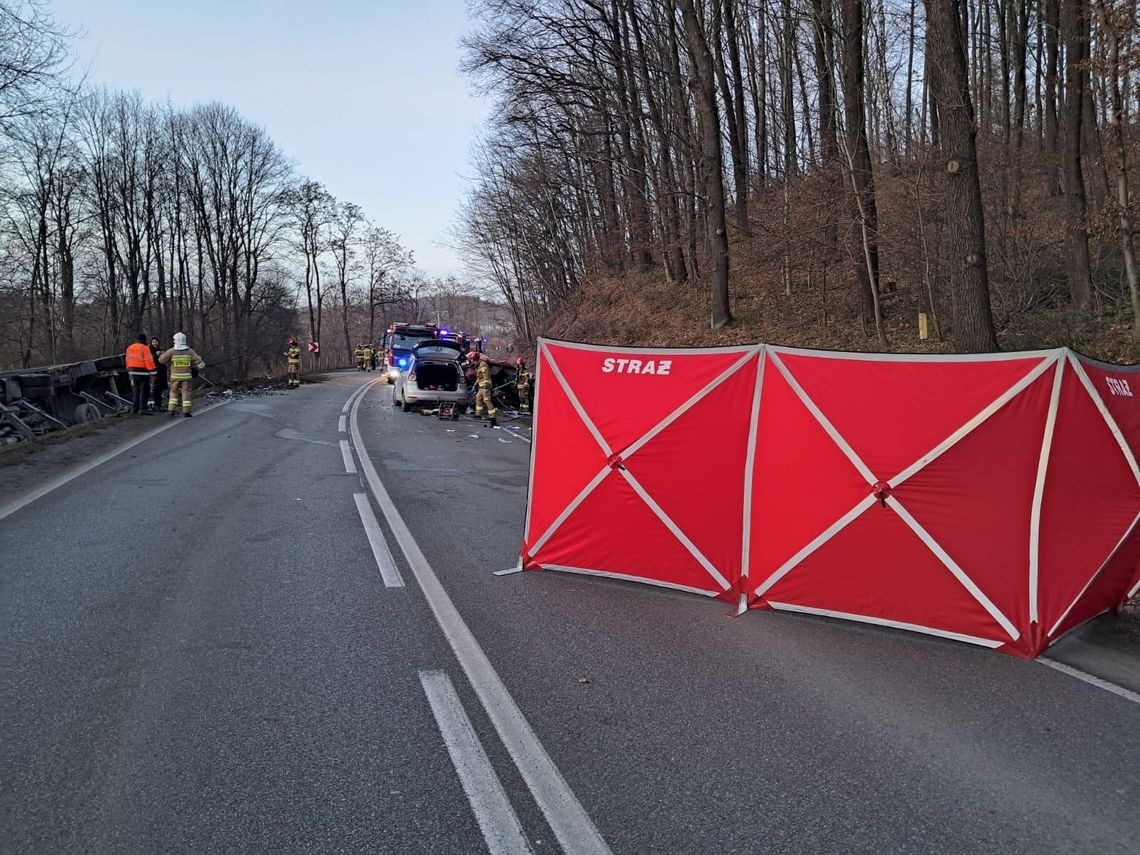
(818, 170)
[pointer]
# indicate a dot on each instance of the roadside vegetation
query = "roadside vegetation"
(815, 172)
(118, 216)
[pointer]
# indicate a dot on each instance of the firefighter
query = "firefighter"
(141, 370)
(366, 361)
(484, 386)
(522, 384)
(358, 355)
(182, 361)
(293, 363)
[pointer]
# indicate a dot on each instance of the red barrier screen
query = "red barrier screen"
(992, 499)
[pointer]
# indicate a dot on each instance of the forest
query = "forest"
(120, 216)
(861, 160)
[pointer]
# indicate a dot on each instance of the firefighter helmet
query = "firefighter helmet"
(292, 339)
(472, 356)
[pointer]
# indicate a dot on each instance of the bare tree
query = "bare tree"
(969, 284)
(704, 86)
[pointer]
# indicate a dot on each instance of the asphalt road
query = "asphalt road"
(199, 652)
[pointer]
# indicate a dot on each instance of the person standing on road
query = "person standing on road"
(366, 357)
(522, 384)
(140, 369)
(293, 363)
(372, 359)
(158, 386)
(358, 356)
(182, 361)
(483, 387)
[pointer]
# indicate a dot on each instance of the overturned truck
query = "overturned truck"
(36, 401)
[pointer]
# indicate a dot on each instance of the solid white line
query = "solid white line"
(1039, 489)
(356, 394)
(342, 424)
(380, 551)
(1119, 691)
(85, 467)
(568, 820)
(497, 819)
(346, 453)
(894, 624)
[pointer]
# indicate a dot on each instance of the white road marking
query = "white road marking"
(85, 467)
(568, 820)
(356, 394)
(346, 453)
(497, 819)
(1119, 691)
(342, 424)
(380, 551)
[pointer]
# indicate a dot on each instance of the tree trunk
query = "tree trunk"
(740, 163)
(711, 160)
(969, 285)
(1052, 16)
(858, 158)
(1109, 28)
(1074, 32)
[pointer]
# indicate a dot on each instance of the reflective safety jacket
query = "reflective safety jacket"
(366, 353)
(294, 355)
(140, 360)
(522, 378)
(182, 363)
(483, 375)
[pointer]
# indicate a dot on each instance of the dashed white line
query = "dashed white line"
(346, 453)
(572, 826)
(380, 551)
(1092, 680)
(497, 819)
(342, 424)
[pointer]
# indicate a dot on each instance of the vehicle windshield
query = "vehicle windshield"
(408, 340)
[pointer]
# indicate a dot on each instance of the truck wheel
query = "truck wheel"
(85, 413)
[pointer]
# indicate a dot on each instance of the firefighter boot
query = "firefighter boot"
(494, 422)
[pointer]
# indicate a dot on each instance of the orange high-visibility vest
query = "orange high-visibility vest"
(139, 358)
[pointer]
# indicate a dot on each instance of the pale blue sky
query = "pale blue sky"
(363, 95)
